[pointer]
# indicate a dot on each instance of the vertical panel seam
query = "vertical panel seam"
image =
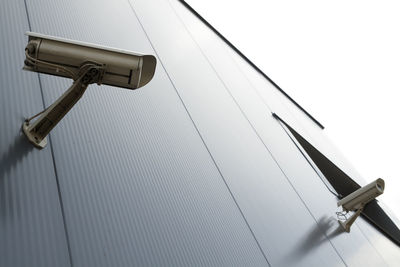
(256, 132)
(52, 157)
(201, 137)
(61, 201)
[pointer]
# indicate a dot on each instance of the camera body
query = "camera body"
(362, 196)
(358, 199)
(121, 68)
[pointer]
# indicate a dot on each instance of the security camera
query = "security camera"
(358, 199)
(85, 64)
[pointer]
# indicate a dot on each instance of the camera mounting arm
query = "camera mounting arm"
(36, 132)
(347, 224)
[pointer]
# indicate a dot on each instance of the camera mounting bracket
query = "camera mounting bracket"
(88, 73)
(347, 223)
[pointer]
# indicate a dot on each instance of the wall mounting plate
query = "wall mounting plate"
(33, 139)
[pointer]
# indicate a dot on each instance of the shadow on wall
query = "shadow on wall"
(9, 160)
(325, 229)
(14, 154)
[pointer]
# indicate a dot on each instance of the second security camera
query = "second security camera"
(358, 199)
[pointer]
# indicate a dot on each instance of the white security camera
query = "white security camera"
(84, 63)
(358, 199)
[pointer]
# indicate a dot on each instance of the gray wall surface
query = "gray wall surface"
(31, 223)
(191, 170)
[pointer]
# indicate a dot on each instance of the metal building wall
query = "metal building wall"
(302, 177)
(190, 170)
(31, 224)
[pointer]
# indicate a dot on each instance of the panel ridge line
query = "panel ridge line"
(257, 134)
(201, 137)
(53, 159)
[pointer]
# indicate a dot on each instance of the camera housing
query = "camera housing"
(358, 199)
(122, 68)
(85, 64)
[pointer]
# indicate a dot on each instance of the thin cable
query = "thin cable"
(34, 116)
(36, 62)
(284, 126)
(341, 215)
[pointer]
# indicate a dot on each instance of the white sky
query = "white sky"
(340, 60)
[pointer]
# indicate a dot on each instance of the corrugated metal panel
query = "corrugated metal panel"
(139, 187)
(255, 179)
(272, 135)
(299, 172)
(31, 226)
